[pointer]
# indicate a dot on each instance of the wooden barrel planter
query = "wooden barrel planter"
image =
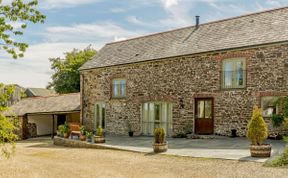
(260, 150)
(160, 147)
(99, 139)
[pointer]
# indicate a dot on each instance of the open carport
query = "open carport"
(40, 116)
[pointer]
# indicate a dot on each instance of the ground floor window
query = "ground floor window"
(155, 115)
(269, 106)
(99, 117)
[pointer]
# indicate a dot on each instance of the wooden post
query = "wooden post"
(53, 123)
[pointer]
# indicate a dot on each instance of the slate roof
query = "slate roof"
(48, 104)
(39, 92)
(248, 30)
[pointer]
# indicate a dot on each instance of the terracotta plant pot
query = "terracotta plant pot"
(82, 137)
(260, 150)
(66, 135)
(160, 147)
(99, 139)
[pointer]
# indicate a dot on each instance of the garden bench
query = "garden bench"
(74, 129)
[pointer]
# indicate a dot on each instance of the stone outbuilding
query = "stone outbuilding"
(202, 79)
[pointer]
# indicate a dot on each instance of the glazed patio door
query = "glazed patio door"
(99, 115)
(204, 123)
(155, 115)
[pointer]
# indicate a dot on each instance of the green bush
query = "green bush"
(281, 160)
(61, 129)
(83, 130)
(100, 132)
(88, 134)
(159, 135)
(66, 128)
(257, 128)
(277, 120)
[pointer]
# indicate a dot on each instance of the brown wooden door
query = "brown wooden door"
(204, 123)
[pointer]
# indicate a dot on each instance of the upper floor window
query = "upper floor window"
(234, 73)
(119, 88)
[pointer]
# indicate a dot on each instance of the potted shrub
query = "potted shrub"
(60, 131)
(257, 132)
(99, 137)
(66, 130)
(130, 130)
(89, 136)
(160, 144)
(82, 133)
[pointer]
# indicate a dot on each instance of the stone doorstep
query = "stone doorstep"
(197, 153)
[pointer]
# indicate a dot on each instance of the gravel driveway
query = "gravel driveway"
(38, 158)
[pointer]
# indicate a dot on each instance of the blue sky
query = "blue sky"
(79, 23)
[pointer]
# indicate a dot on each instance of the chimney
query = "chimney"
(197, 20)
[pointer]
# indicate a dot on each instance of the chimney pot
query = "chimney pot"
(197, 20)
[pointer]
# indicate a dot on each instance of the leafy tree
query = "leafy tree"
(17, 12)
(7, 135)
(257, 127)
(66, 77)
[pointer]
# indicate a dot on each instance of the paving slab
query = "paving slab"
(217, 147)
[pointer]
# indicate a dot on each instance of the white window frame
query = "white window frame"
(148, 117)
(233, 72)
(101, 106)
(121, 92)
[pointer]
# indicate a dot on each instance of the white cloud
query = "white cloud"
(51, 4)
(178, 13)
(169, 3)
(34, 69)
(136, 21)
(103, 32)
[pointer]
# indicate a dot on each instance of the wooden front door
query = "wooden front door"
(204, 123)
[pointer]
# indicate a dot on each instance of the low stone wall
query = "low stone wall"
(80, 144)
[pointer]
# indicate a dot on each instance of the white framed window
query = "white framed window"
(155, 115)
(99, 115)
(118, 88)
(269, 106)
(234, 73)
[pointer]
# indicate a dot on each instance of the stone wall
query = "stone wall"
(186, 78)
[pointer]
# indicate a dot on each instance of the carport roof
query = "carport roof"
(49, 104)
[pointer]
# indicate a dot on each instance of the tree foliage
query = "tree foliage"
(66, 77)
(17, 12)
(7, 128)
(257, 128)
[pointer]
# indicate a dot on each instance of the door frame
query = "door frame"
(195, 111)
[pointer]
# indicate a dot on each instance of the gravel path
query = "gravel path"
(41, 159)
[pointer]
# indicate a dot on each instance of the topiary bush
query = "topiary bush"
(159, 135)
(257, 128)
(100, 132)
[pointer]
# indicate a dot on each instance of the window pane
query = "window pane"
(200, 109)
(115, 89)
(228, 72)
(234, 73)
(119, 87)
(239, 73)
(208, 109)
(157, 112)
(268, 105)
